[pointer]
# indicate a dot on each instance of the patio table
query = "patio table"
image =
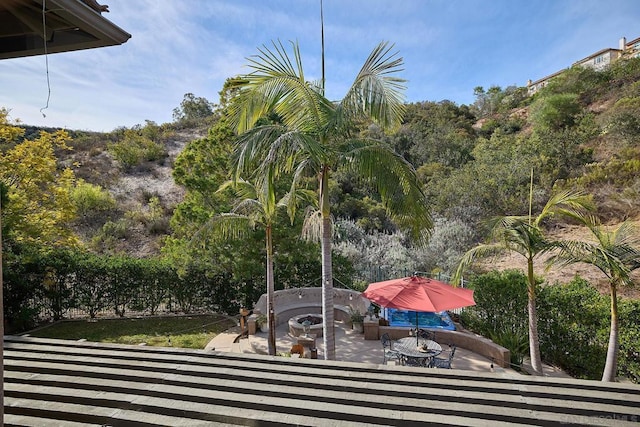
(420, 354)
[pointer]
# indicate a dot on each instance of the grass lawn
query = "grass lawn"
(177, 331)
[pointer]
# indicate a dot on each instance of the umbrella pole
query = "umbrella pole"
(417, 327)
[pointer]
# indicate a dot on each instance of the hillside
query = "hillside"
(565, 274)
(132, 189)
(474, 162)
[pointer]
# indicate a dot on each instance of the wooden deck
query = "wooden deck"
(58, 383)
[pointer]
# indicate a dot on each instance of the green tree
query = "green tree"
(202, 166)
(256, 206)
(314, 135)
(556, 112)
(40, 206)
(193, 109)
(524, 235)
(8, 132)
(436, 132)
(616, 253)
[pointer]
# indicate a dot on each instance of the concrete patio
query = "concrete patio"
(352, 347)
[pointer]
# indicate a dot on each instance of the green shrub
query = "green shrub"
(134, 148)
(501, 304)
(555, 112)
(89, 198)
(629, 356)
(574, 327)
(623, 119)
(517, 342)
(616, 171)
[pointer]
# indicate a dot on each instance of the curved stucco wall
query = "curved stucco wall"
(292, 302)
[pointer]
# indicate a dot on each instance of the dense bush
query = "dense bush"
(574, 328)
(42, 286)
(89, 199)
(135, 148)
(629, 356)
(501, 310)
(573, 323)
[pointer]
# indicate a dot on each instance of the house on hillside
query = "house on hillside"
(632, 49)
(533, 87)
(598, 61)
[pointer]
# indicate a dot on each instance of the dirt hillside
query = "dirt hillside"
(565, 274)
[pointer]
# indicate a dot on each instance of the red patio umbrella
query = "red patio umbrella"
(418, 294)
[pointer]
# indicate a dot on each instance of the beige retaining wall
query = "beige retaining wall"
(460, 338)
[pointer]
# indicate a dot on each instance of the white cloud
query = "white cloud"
(182, 46)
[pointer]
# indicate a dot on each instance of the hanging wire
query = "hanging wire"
(46, 56)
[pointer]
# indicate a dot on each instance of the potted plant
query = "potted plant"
(262, 322)
(357, 319)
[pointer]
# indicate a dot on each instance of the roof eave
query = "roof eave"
(99, 31)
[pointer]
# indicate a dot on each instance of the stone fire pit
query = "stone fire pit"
(297, 329)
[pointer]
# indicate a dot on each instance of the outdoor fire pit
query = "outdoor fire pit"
(297, 325)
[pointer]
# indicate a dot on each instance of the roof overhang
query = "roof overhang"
(68, 25)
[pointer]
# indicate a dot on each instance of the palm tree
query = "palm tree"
(524, 235)
(616, 253)
(312, 136)
(256, 206)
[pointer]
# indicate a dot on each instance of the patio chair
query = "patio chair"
(387, 347)
(424, 334)
(438, 362)
(415, 361)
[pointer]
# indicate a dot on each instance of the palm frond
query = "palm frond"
(293, 147)
(222, 227)
(479, 252)
(376, 92)
(517, 235)
(241, 188)
(566, 203)
(276, 84)
(395, 181)
(310, 197)
(616, 253)
(312, 225)
(251, 147)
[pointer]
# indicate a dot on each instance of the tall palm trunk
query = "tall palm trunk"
(610, 366)
(270, 290)
(534, 343)
(329, 339)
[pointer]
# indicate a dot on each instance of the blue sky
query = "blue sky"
(179, 46)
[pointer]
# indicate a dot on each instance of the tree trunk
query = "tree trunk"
(611, 365)
(270, 290)
(329, 339)
(534, 340)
